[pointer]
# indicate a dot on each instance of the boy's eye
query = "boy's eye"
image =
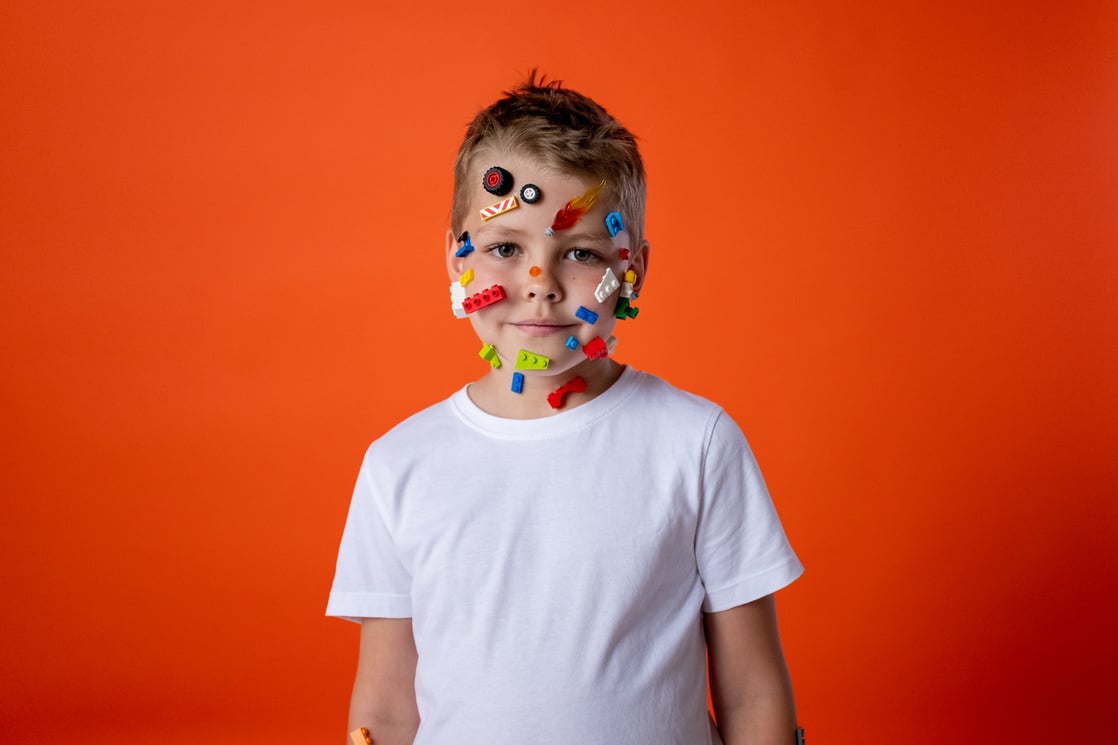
(503, 250)
(582, 255)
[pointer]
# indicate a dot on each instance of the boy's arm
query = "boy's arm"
(749, 681)
(383, 700)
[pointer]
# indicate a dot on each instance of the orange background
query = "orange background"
(884, 237)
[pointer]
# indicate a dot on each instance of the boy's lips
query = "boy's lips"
(541, 326)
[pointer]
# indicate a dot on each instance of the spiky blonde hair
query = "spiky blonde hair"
(564, 130)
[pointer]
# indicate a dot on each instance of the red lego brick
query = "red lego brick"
(485, 297)
(575, 385)
(595, 349)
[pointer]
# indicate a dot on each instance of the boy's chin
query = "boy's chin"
(564, 367)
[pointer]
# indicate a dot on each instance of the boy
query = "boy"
(549, 555)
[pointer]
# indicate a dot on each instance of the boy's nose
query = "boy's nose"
(541, 285)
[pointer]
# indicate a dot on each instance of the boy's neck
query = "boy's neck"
(493, 393)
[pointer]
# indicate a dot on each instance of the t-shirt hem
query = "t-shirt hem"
(353, 606)
(753, 587)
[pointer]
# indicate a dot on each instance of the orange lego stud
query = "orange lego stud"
(361, 737)
(535, 271)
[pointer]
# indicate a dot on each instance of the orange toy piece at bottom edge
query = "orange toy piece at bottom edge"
(361, 737)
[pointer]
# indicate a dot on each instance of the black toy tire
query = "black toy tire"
(497, 181)
(530, 193)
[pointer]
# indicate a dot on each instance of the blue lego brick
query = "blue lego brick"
(517, 382)
(586, 315)
(467, 247)
(614, 224)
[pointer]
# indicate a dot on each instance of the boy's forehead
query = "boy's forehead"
(556, 187)
(513, 231)
(525, 161)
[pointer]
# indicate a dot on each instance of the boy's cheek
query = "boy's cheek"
(481, 278)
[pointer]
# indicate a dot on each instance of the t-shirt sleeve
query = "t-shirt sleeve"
(740, 546)
(369, 581)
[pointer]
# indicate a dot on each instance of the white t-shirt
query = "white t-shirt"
(555, 569)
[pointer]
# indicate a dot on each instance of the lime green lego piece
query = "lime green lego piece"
(526, 360)
(489, 354)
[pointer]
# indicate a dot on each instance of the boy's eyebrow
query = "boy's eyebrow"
(589, 235)
(496, 234)
(502, 232)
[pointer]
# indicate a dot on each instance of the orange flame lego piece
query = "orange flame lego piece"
(574, 209)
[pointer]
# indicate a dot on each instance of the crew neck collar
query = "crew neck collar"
(579, 417)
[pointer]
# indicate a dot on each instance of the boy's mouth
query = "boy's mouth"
(542, 327)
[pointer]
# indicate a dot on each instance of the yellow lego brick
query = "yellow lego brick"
(466, 278)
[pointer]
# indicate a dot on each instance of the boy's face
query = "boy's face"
(545, 279)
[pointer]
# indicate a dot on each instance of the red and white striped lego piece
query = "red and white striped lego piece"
(503, 206)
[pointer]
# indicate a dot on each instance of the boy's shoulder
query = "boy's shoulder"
(660, 390)
(667, 411)
(427, 425)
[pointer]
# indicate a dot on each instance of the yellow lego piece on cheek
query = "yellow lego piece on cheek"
(466, 278)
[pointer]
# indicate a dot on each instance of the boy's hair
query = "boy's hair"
(564, 130)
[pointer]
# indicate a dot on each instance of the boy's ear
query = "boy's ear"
(638, 262)
(454, 265)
